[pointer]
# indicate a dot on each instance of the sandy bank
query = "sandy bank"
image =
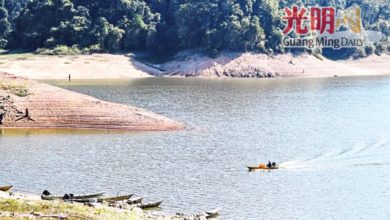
(96, 66)
(261, 65)
(188, 63)
(52, 107)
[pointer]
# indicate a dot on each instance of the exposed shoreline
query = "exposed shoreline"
(53, 107)
(190, 64)
(95, 66)
(251, 65)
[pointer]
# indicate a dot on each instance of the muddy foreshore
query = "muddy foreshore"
(26, 103)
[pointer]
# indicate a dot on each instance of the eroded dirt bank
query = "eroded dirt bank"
(252, 65)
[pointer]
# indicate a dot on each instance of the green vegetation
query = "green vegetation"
(163, 27)
(59, 50)
(18, 88)
(74, 211)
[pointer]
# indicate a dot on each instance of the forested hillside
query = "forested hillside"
(163, 26)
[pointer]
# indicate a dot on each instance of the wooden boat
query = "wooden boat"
(135, 200)
(88, 196)
(262, 167)
(150, 205)
(5, 188)
(253, 168)
(116, 198)
(213, 213)
(103, 199)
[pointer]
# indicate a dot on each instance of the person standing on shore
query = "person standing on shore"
(69, 78)
(1, 118)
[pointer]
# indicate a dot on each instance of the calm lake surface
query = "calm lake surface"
(332, 137)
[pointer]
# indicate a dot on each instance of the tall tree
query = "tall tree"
(5, 25)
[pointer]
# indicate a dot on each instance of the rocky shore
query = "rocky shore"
(27, 103)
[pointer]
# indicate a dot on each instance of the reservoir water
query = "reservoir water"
(331, 137)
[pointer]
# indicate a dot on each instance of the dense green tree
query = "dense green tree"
(5, 25)
(38, 20)
(74, 31)
(163, 26)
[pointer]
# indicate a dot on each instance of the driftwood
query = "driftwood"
(26, 116)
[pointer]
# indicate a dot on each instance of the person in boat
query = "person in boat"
(269, 165)
(68, 196)
(274, 164)
(46, 193)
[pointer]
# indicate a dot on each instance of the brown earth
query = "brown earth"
(53, 107)
(94, 66)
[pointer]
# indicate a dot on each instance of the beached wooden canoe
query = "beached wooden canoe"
(88, 196)
(104, 199)
(116, 198)
(150, 205)
(213, 213)
(5, 188)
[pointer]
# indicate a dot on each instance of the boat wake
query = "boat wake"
(376, 153)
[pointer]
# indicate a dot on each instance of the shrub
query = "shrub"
(59, 50)
(92, 49)
(17, 88)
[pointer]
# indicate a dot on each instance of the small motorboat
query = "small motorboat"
(150, 205)
(213, 213)
(262, 166)
(5, 188)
